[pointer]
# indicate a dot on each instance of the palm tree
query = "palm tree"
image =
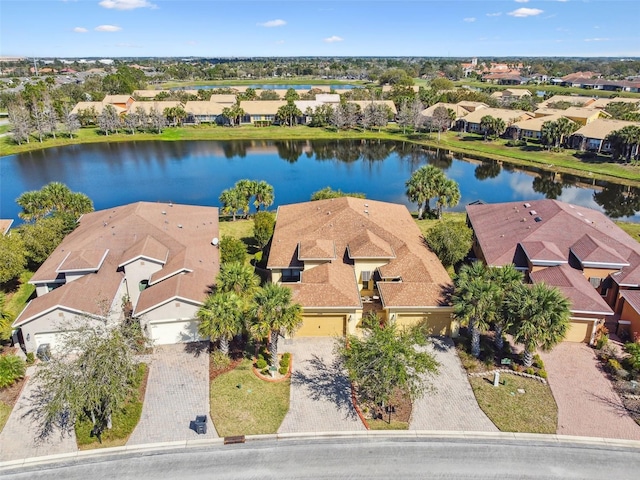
(540, 316)
(421, 186)
(238, 278)
(246, 189)
(475, 301)
(549, 133)
(506, 279)
(232, 201)
(264, 195)
(221, 318)
(273, 315)
(486, 125)
(498, 127)
(565, 127)
(448, 194)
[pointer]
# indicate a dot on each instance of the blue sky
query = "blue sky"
(236, 28)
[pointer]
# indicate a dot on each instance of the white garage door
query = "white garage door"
(180, 331)
(52, 338)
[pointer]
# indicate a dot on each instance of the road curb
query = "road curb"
(284, 437)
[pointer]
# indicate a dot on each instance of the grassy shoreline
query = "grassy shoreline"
(258, 81)
(467, 145)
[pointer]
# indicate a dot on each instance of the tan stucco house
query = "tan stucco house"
(155, 260)
(345, 257)
(577, 249)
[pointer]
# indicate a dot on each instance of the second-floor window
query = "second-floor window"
(290, 275)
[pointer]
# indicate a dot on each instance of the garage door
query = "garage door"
(436, 324)
(579, 331)
(182, 331)
(52, 338)
(321, 326)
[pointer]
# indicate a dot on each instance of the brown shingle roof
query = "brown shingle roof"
(332, 284)
(184, 231)
(369, 245)
(79, 260)
(591, 251)
(573, 285)
(542, 251)
(344, 220)
(147, 247)
(316, 250)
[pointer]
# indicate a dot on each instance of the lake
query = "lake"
(196, 172)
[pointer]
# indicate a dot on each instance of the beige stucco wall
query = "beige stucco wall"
(173, 310)
(630, 314)
(598, 272)
(436, 316)
(137, 271)
(366, 265)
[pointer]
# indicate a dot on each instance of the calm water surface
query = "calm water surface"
(196, 172)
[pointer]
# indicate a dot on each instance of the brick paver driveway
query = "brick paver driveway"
(19, 438)
(177, 391)
(587, 404)
(320, 390)
(451, 404)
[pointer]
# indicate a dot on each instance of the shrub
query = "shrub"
(261, 364)
(265, 371)
(602, 341)
(489, 361)
(530, 371)
(284, 362)
(537, 361)
(516, 367)
(469, 362)
(633, 349)
(542, 373)
(12, 368)
(516, 143)
(219, 360)
(286, 355)
(613, 365)
(31, 358)
(283, 370)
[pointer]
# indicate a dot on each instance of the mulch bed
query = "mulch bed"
(236, 354)
(399, 400)
(9, 395)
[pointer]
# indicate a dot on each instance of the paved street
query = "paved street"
(451, 404)
(587, 403)
(320, 390)
(177, 391)
(19, 438)
(379, 457)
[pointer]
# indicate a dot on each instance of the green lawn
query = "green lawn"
(242, 404)
(18, 299)
(384, 425)
(261, 81)
(239, 229)
(124, 420)
(633, 229)
(4, 128)
(555, 89)
(5, 411)
(534, 411)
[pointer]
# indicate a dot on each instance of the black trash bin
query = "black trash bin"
(201, 424)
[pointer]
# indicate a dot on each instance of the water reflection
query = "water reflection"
(197, 171)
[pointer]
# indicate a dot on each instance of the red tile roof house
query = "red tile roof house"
(577, 249)
(345, 257)
(158, 256)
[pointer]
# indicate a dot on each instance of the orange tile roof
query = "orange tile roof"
(346, 221)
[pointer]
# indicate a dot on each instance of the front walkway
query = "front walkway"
(177, 391)
(320, 398)
(19, 437)
(587, 403)
(450, 404)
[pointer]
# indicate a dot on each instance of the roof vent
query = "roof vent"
(538, 219)
(527, 205)
(366, 205)
(367, 212)
(164, 212)
(215, 241)
(533, 212)
(171, 204)
(523, 220)
(179, 225)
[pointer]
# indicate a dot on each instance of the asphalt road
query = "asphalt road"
(369, 458)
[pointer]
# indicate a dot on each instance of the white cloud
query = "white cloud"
(80, 30)
(333, 39)
(525, 12)
(126, 4)
(522, 1)
(597, 39)
(469, 19)
(497, 14)
(273, 23)
(107, 28)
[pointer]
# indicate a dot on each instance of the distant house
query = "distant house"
(260, 111)
(226, 99)
(347, 257)
(158, 106)
(153, 261)
(120, 101)
(148, 94)
(365, 103)
(97, 106)
(574, 100)
(5, 225)
(531, 128)
(593, 136)
(510, 94)
(458, 110)
(577, 249)
(471, 122)
(580, 115)
(604, 102)
(203, 112)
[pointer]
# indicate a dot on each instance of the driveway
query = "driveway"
(19, 438)
(587, 403)
(320, 398)
(450, 404)
(177, 391)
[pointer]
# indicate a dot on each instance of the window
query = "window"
(290, 275)
(143, 284)
(595, 281)
(366, 275)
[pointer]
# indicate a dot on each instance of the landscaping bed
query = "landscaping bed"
(8, 398)
(377, 417)
(124, 420)
(243, 404)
